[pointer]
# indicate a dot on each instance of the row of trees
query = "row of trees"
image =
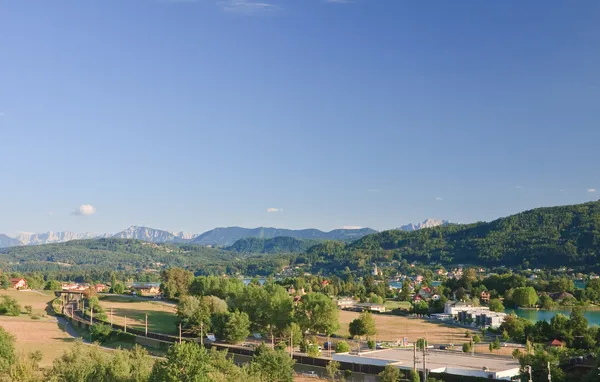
(232, 310)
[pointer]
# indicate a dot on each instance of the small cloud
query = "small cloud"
(50, 213)
(273, 210)
(246, 6)
(562, 190)
(591, 190)
(84, 210)
(351, 227)
(519, 187)
(438, 198)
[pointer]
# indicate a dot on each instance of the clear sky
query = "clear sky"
(188, 115)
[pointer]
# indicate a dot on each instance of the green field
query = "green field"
(391, 304)
(161, 317)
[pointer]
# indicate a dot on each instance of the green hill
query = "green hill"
(280, 244)
(552, 236)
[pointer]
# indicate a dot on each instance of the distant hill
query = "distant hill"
(548, 237)
(228, 236)
(6, 241)
(279, 244)
(110, 253)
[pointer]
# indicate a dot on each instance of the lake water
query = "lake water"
(593, 316)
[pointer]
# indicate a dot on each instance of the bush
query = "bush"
(347, 374)
(28, 309)
(281, 346)
(118, 288)
(313, 351)
(371, 344)
(100, 332)
(35, 317)
(9, 307)
(124, 337)
(342, 347)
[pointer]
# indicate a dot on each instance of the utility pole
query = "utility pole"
(91, 314)
(424, 361)
(415, 358)
(180, 333)
(291, 344)
(146, 325)
(549, 376)
(125, 324)
(529, 371)
(202, 333)
(111, 317)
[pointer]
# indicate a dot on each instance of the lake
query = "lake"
(593, 316)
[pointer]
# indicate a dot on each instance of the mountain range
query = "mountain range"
(218, 237)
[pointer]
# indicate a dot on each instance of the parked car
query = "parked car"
(443, 347)
(310, 374)
(327, 346)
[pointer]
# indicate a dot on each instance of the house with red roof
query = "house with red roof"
(19, 283)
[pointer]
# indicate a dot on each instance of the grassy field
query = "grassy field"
(43, 334)
(37, 299)
(161, 317)
(390, 305)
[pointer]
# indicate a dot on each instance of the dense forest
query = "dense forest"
(280, 244)
(545, 237)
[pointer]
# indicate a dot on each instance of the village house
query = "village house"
(345, 303)
(145, 290)
(371, 307)
(556, 343)
(19, 283)
(100, 288)
(485, 296)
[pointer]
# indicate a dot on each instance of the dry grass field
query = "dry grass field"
(161, 317)
(393, 328)
(43, 335)
(37, 299)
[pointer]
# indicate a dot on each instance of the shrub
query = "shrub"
(371, 344)
(101, 332)
(9, 307)
(281, 346)
(313, 351)
(28, 309)
(35, 317)
(342, 347)
(125, 337)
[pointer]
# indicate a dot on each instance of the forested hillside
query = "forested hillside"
(552, 236)
(280, 244)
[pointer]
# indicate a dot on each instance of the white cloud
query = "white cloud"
(246, 6)
(2, 114)
(591, 190)
(351, 227)
(438, 198)
(273, 210)
(519, 187)
(85, 210)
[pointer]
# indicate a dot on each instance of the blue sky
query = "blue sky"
(187, 115)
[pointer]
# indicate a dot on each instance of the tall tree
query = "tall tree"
(237, 328)
(176, 282)
(317, 313)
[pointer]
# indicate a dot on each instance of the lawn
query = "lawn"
(161, 317)
(391, 305)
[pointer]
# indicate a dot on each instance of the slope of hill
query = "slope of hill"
(6, 241)
(228, 236)
(279, 244)
(550, 236)
(116, 254)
